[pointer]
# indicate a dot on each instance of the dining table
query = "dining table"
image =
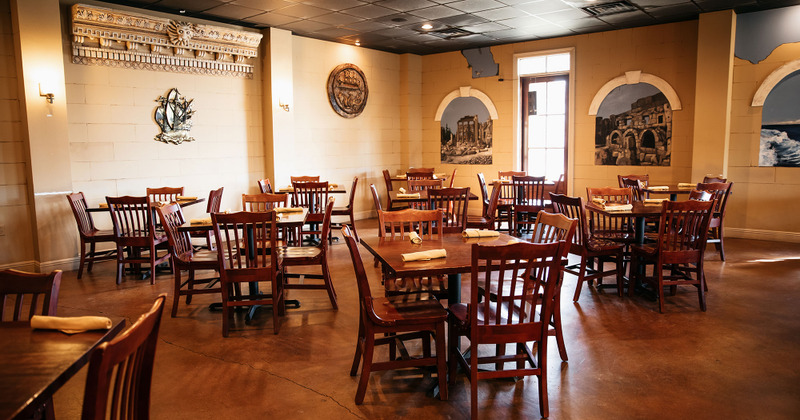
(183, 203)
(672, 189)
(423, 196)
(34, 364)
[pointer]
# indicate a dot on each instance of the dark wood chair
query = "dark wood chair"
(528, 194)
(527, 276)
(423, 184)
(453, 178)
(245, 241)
(349, 209)
(265, 186)
(682, 234)
(387, 180)
(395, 318)
(164, 194)
(487, 219)
(185, 258)
(121, 371)
(637, 188)
(588, 247)
(644, 178)
(294, 179)
(710, 179)
(454, 203)
(135, 231)
(296, 256)
(505, 205)
(89, 234)
(264, 202)
(419, 173)
(720, 191)
(312, 195)
(214, 202)
(700, 195)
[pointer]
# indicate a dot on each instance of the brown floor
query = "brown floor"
(741, 359)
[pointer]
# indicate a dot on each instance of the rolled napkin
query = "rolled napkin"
(185, 197)
(402, 195)
(441, 175)
(502, 181)
(400, 176)
(425, 255)
(286, 189)
(70, 325)
(686, 185)
(202, 221)
(415, 239)
(658, 188)
(401, 190)
(479, 233)
(103, 205)
(333, 186)
(599, 201)
(654, 201)
(618, 207)
(288, 209)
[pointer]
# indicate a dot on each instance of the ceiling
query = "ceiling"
(396, 25)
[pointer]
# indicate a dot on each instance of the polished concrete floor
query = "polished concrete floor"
(738, 360)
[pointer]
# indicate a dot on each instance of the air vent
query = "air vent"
(612, 8)
(450, 33)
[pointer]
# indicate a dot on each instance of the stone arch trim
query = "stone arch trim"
(773, 79)
(632, 78)
(466, 92)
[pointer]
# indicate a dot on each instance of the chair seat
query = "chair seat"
(410, 309)
(478, 220)
(205, 258)
(341, 211)
(101, 235)
(299, 252)
(436, 285)
(614, 236)
(595, 244)
(460, 314)
(645, 250)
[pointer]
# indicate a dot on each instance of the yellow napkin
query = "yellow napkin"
(288, 209)
(618, 207)
(658, 188)
(401, 190)
(70, 325)
(425, 255)
(103, 205)
(479, 233)
(599, 201)
(286, 189)
(502, 181)
(415, 239)
(185, 197)
(202, 221)
(400, 176)
(333, 186)
(654, 201)
(402, 195)
(437, 176)
(686, 185)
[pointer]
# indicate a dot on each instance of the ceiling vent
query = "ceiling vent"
(607, 9)
(450, 33)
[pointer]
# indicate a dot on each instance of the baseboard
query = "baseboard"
(29, 266)
(66, 264)
(763, 235)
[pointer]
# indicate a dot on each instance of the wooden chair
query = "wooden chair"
(484, 192)
(710, 179)
(214, 202)
(698, 195)
(560, 186)
(387, 179)
(260, 203)
(244, 244)
(265, 186)
(644, 178)
(505, 205)
(164, 194)
(454, 203)
(121, 371)
(349, 209)
(528, 201)
(294, 179)
(395, 318)
(527, 276)
(132, 218)
(18, 287)
(294, 256)
(419, 173)
(312, 195)
(683, 230)
(417, 185)
(487, 219)
(588, 247)
(89, 234)
(453, 178)
(637, 188)
(720, 192)
(615, 228)
(185, 258)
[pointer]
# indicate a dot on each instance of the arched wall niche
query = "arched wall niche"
(632, 78)
(773, 79)
(466, 92)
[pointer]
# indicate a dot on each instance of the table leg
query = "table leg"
(453, 288)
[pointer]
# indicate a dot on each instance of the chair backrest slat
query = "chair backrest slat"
(427, 223)
(265, 186)
(131, 216)
(259, 203)
(573, 208)
(171, 216)
(214, 200)
(40, 289)
(164, 194)
(83, 218)
(454, 203)
(311, 195)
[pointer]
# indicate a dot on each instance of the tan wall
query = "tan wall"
(667, 51)
(338, 148)
(761, 195)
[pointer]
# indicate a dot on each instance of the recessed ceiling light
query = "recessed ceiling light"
(358, 43)
(182, 11)
(427, 26)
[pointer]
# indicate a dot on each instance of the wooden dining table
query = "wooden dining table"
(183, 203)
(34, 364)
(423, 196)
(672, 189)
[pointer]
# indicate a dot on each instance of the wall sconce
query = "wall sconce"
(47, 93)
(284, 106)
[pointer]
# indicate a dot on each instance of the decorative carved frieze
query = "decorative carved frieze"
(124, 39)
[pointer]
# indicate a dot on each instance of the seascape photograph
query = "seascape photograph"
(780, 125)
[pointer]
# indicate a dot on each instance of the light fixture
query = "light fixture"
(358, 43)
(427, 26)
(47, 93)
(284, 106)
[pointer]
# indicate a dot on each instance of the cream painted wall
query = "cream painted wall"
(339, 148)
(762, 196)
(16, 243)
(667, 51)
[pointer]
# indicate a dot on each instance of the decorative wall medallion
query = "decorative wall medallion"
(174, 117)
(113, 38)
(347, 90)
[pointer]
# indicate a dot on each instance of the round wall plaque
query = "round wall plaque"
(347, 90)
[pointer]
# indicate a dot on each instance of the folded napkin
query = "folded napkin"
(658, 188)
(400, 176)
(599, 201)
(686, 185)
(103, 205)
(333, 186)
(202, 221)
(288, 209)
(425, 255)
(402, 195)
(185, 197)
(479, 233)
(415, 239)
(654, 201)
(70, 325)
(401, 190)
(618, 207)
(502, 181)
(286, 189)
(442, 175)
